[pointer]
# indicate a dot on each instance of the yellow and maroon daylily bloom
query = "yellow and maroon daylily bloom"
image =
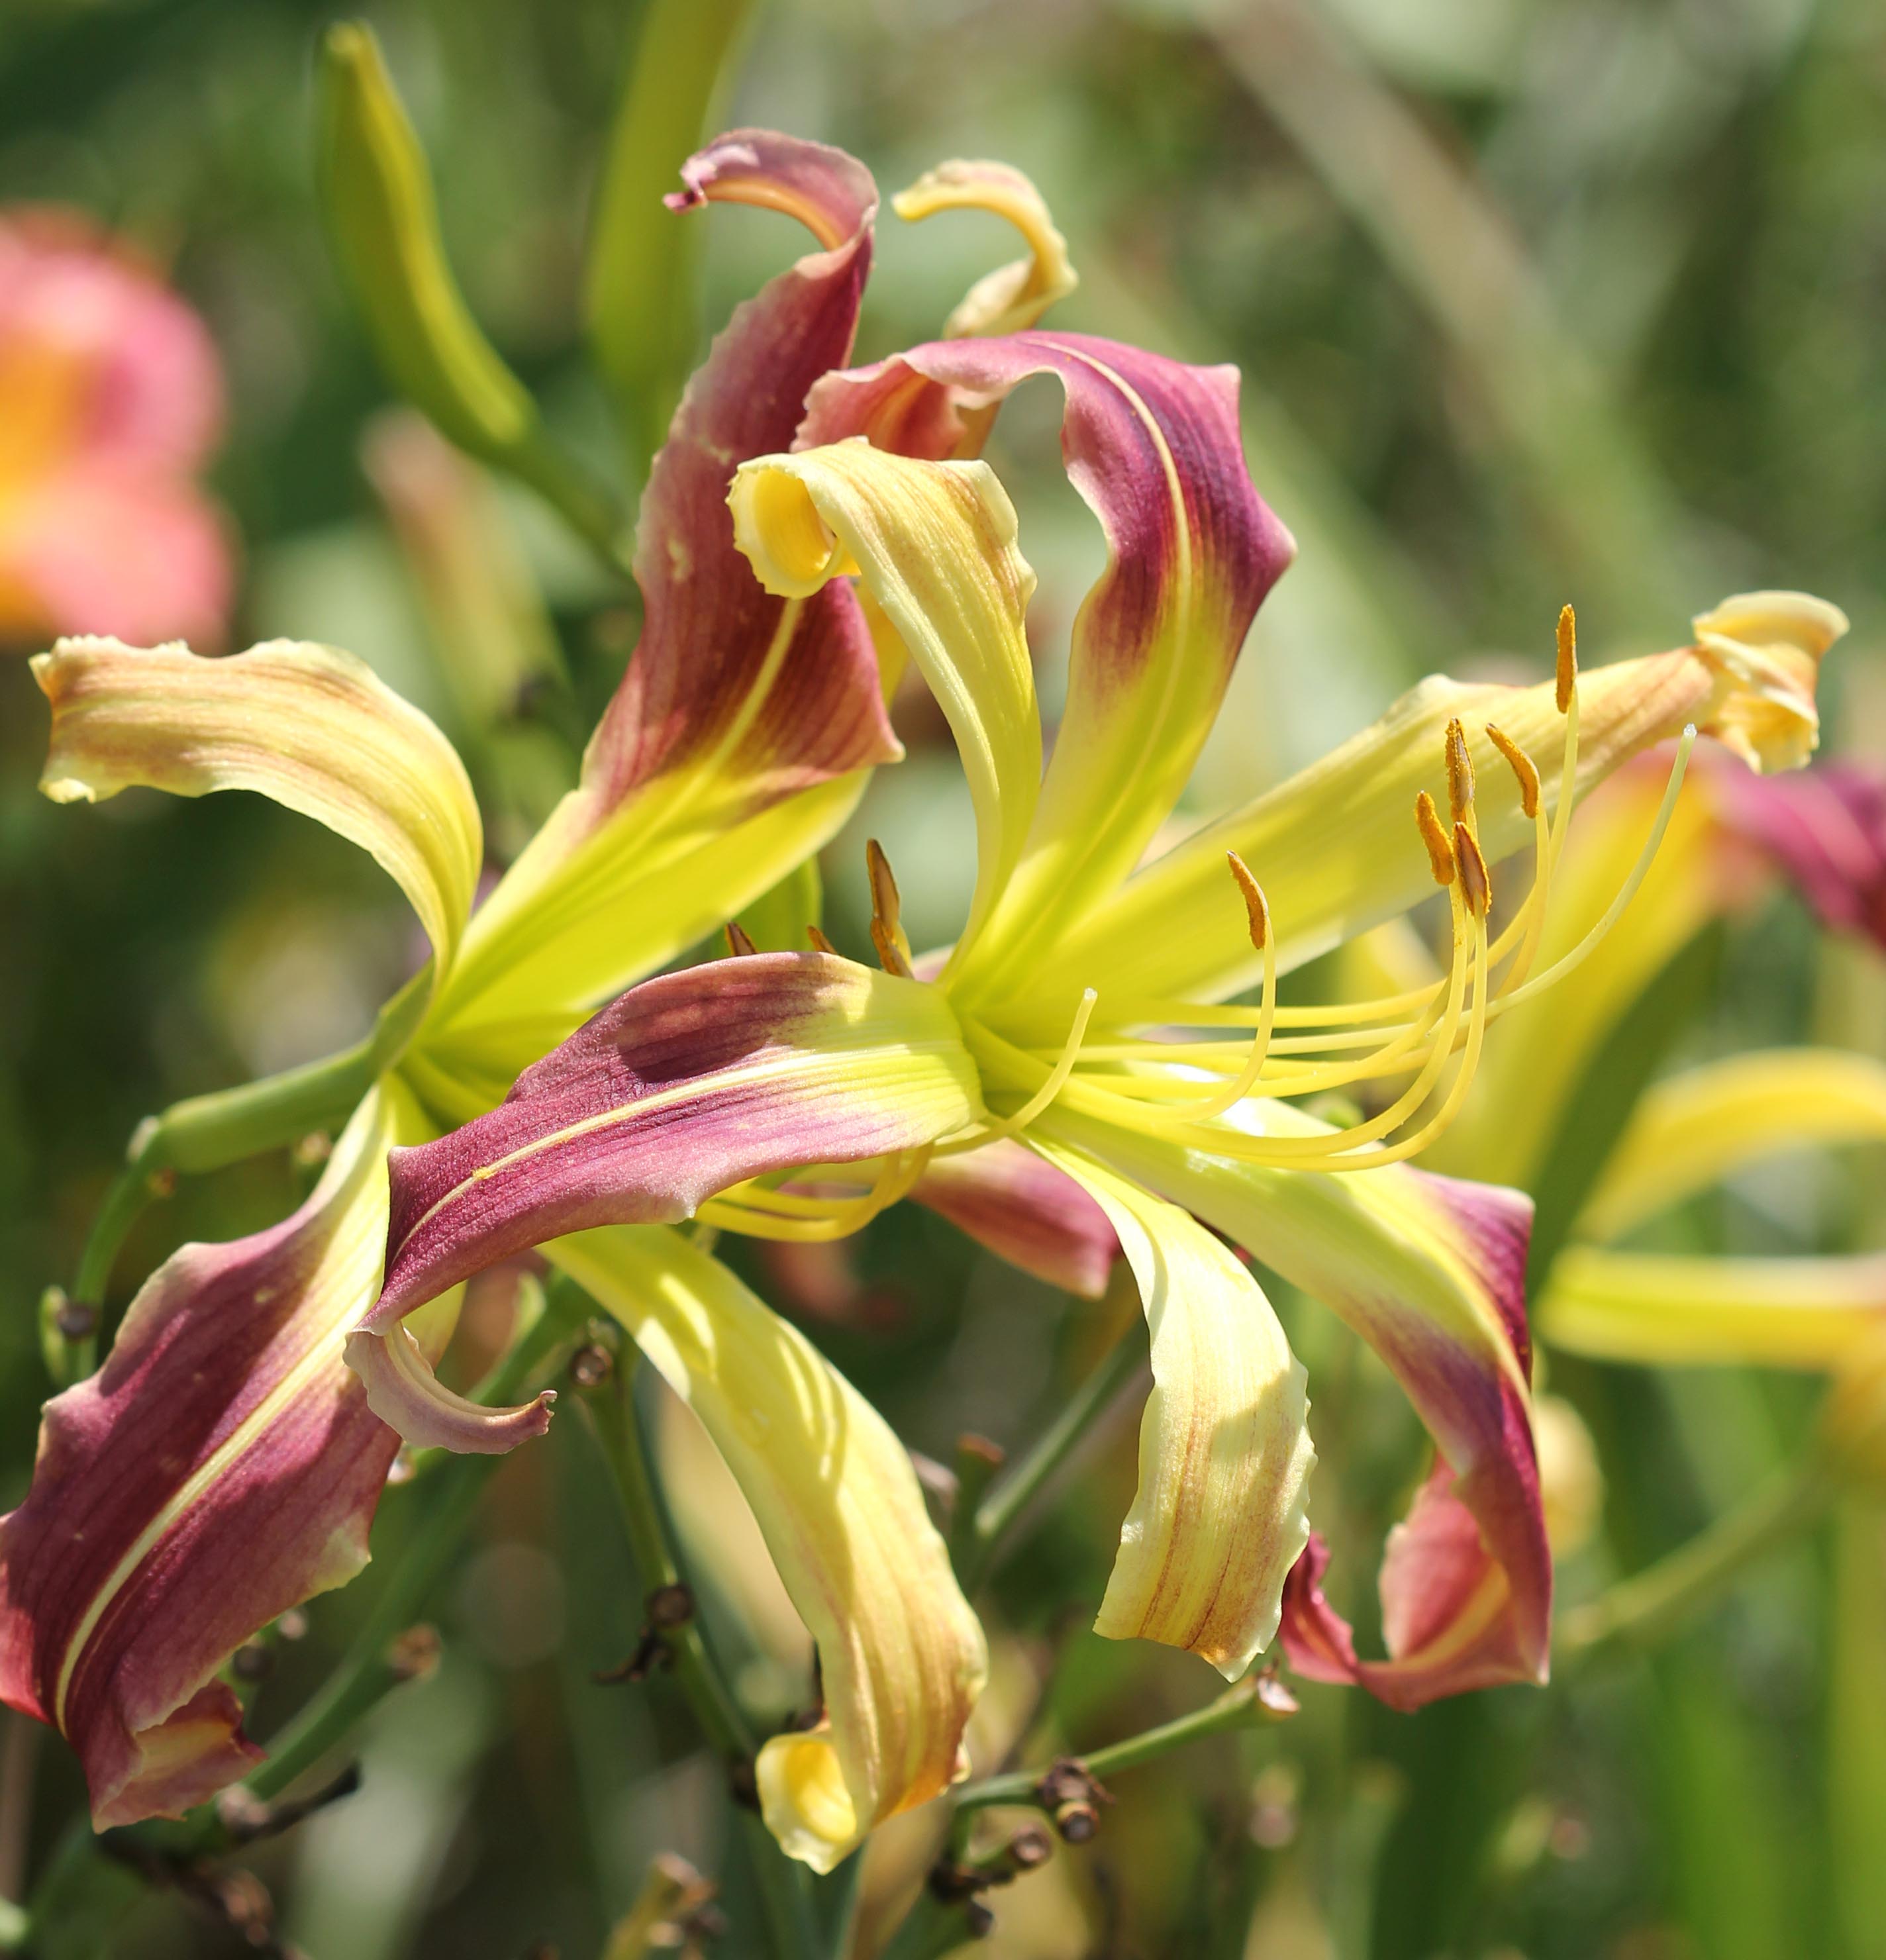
(225, 1462)
(110, 403)
(735, 1092)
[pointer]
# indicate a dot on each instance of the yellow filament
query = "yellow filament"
(760, 1213)
(1056, 1080)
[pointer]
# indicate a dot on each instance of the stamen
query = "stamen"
(819, 942)
(1476, 887)
(1257, 909)
(1013, 1124)
(1460, 777)
(1568, 657)
(887, 933)
(1440, 852)
(763, 1213)
(1522, 766)
(739, 941)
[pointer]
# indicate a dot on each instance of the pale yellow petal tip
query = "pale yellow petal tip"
(1768, 646)
(804, 1800)
(1014, 297)
(66, 789)
(778, 530)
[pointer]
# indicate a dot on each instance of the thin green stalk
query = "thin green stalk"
(785, 1886)
(1641, 1610)
(997, 1513)
(1242, 1705)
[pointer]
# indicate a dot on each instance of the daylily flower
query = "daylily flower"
(736, 1092)
(1823, 833)
(110, 403)
(225, 1462)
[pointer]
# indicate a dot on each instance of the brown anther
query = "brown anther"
(669, 1606)
(1522, 765)
(1029, 1847)
(887, 932)
(252, 1661)
(1568, 656)
(1440, 853)
(1077, 1822)
(1476, 887)
(740, 941)
(1256, 906)
(1460, 773)
(414, 1655)
(819, 942)
(953, 1881)
(591, 1365)
(650, 1653)
(980, 1447)
(1067, 1781)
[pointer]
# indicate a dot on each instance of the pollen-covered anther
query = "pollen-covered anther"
(1523, 768)
(887, 931)
(819, 942)
(740, 941)
(1477, 890)
(1255, 905)
(1460, 775)
(1568, 656)
(1440, 852)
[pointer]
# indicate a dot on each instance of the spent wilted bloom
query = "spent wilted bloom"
(111, 402)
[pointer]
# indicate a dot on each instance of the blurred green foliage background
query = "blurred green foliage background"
(1534, 300)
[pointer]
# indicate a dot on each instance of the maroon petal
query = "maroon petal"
(1825, 828)
(687, 1084)
(1025, 1210)
(221, 1468)
(1447, 1611)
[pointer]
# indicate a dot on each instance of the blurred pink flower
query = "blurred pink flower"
(110, 398)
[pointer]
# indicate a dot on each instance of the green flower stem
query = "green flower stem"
(785, 1886)
(978, 1549)
(1244, 1705)
(1641, 1610)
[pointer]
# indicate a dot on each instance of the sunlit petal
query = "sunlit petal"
(1025, 1211)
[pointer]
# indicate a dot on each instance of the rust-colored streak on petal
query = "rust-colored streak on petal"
(686, 1085)
(221, 1467)
(1026, 1211)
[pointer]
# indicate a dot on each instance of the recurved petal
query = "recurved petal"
(1335, 847)
(1664, 1308)
(901, 1657)
(1154, 448)
(1430, 1272)
(1447, 1611)
(1025, 1211)
(934, 544)
(688, 1083)
(1014, 297)
(222, 1466)
(308, 726)
(1219, 1516)
(1696, 1129)
(1768, 646)
(736, 699)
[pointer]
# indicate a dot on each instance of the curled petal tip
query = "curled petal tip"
(407, 1396)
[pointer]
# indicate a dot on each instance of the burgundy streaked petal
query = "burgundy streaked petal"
(1153, 447)
(688, 1083)
(221, 1468)
(1825, 828)
(404, 1392)
(734, 699)
(1025, 1211)
(1448, 1612)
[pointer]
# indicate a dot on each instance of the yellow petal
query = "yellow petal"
(1771, 644)
(1014, 297)
(1219, 1516)
(310, 726)
(902, 1656)
(934, 544)
(1657, 1308)
(1335, 847)
(1698, 1128)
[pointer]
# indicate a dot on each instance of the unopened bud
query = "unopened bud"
(1030, 1848)
(1077, 1822)
(670, 1606)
